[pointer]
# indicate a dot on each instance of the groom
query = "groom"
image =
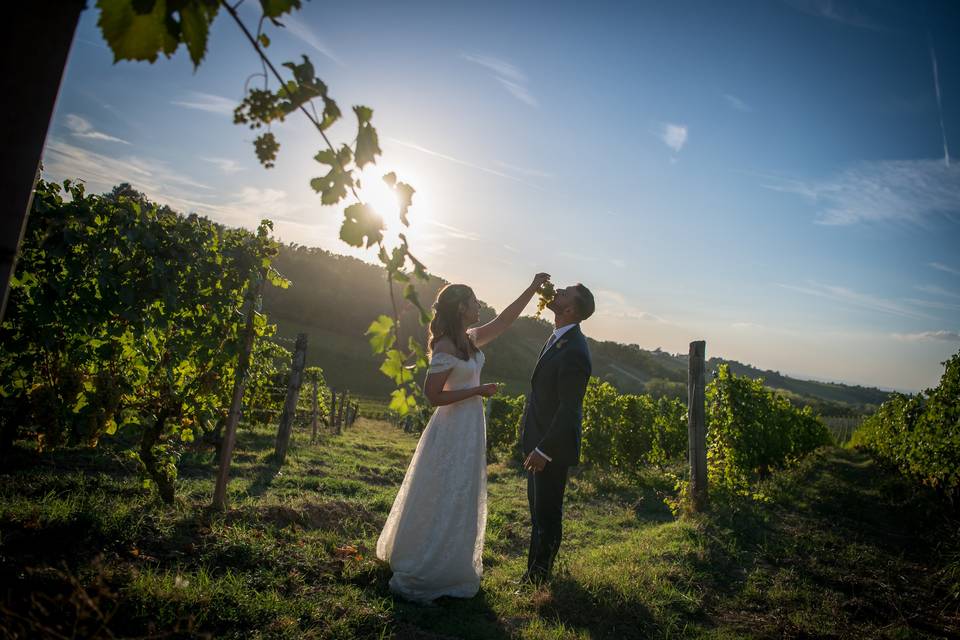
(551, 424)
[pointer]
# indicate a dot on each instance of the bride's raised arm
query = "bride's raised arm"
(490, 331)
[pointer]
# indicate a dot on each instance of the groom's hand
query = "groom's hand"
(534, 462)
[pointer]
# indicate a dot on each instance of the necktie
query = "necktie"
(550, 341)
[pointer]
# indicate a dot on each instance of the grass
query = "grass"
(841, 548)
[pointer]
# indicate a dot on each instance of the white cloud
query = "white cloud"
(942, 267)
(464, 163)
(167, 186)
(207, 102)
(840, 12)
(533, 173)
(932, 304)
(674, 136)
(508, 75)
(499, 67)
(519, 92)
(104, 172)
(857, 299)
(454, 232)
(226, 165)
(936, 86)
(81, 128)
(927, 336)
(936, 290)
(613, 304)
(299, 29)
(737, 103)
(911, 191)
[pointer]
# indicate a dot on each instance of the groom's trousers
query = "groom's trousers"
(545, 494)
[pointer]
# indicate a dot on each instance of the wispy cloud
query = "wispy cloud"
(673, 135)
(81, 128)
(102, 172)
(936, 87)
(519, 92)
(910, 191)
(226, 165)
(840, 12)
(300, 29)
(613, 304)
(934, 304)
(533, 173)
(854, 298)
(927, 336)
(455, 232)
(746, 325)
(499, 67)
(207, 102)
(936, 290)
(942, 267)
(508, 75)
(736, 103)
(464, 163)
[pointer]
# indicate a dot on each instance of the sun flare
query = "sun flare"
(378, 194)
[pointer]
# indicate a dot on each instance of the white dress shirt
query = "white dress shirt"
(558, 333)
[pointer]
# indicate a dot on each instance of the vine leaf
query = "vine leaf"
(361, 221)
(333, 186)
(404, 193)
(195, 19)
(392, 367)
(135, 35)
(381, 334)
(276, 8)
(401, 402)
(368, 144)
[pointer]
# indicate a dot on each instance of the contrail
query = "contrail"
(936, 86)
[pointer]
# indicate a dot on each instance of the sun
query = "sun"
(379, 195)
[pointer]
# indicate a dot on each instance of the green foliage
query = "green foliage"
(142, 30)
(123, 315)
(503, 425)
(920, 435)
(752, 430)
(626, 431)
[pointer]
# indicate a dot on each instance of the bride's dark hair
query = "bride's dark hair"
(447, 320)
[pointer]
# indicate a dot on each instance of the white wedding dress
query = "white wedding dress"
(433, 537)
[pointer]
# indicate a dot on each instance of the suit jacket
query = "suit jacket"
(553, 415)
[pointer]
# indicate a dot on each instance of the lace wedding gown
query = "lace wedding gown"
(433, 537)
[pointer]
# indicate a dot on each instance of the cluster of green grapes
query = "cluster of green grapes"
(546, 293)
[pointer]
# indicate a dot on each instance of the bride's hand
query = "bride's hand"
(487, 390)
(538, 280)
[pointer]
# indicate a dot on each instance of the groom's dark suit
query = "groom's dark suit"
(552, 422)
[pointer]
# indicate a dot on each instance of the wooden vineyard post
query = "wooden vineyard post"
(344, 398)
(332, 410)
(31, 68)
(696, 425)
(293, 394)
(313, 397)
(236, 402)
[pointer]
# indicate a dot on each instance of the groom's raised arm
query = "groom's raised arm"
(572, 382)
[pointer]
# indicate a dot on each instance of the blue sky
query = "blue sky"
(772, 176)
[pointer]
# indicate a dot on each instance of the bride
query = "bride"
(433, 537)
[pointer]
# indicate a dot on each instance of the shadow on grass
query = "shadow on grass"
(839, 530)
(602, 611)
